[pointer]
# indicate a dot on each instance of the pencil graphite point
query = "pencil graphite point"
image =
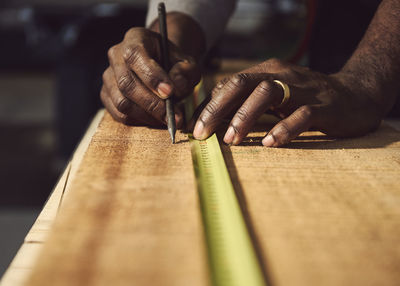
(172, 133)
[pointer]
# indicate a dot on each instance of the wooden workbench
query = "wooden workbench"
(125, 211)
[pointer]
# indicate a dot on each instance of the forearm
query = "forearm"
(185, 33)
(374, 67)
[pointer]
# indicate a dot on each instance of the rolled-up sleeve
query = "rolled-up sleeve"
(212, 15)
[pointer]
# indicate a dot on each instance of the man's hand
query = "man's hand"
(349, 103)
(135, 86)
(331, 104)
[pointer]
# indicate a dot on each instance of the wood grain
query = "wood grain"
(131, 216)
(324, 211)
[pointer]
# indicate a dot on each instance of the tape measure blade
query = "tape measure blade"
(232, 256)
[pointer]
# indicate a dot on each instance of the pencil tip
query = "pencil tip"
(172, 134)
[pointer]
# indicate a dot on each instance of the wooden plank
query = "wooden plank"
(324, 211)
(22, 264)
(131, 216)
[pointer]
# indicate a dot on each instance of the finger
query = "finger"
(289, 128)
(108, 104)
(135, 116)
(229, 97)
(265, 95)
(185, 74)
(192, 121)
(148, 70)
(132, 88)
(199, 109)
(123, 104)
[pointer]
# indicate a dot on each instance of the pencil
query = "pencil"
(165, 62)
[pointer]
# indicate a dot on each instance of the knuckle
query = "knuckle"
(214, 92)
(155, 106)
(238, 80)
(135, 33)
(123, 118)
(212, 108)
(131, 31)
(274, 62)
(111, 52)
(132, 54)
(219, 86)
(125, 83)
(242, 114)
(264, 88)
(123, 105)
(222, 82)
(120, 117)
(152, 75)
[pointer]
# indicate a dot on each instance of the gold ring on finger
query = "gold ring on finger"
(286, 93)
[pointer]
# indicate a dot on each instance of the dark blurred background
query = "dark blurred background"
(53, 53)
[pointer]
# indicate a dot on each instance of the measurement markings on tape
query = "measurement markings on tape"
(232, 257)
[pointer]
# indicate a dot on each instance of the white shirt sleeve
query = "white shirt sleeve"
(212, 15)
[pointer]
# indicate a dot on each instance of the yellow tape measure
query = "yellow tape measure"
(232, 257)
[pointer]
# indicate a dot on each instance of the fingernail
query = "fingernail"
(164, 89)
(180, 82)
(268, 141)
(229, 135)
(198, 131)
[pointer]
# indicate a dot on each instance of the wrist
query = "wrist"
(185, 33)
(369, 86)
(363, 99)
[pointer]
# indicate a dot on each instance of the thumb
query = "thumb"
(185, 75)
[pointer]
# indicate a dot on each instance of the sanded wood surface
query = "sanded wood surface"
(323, 211)
(131, 216)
